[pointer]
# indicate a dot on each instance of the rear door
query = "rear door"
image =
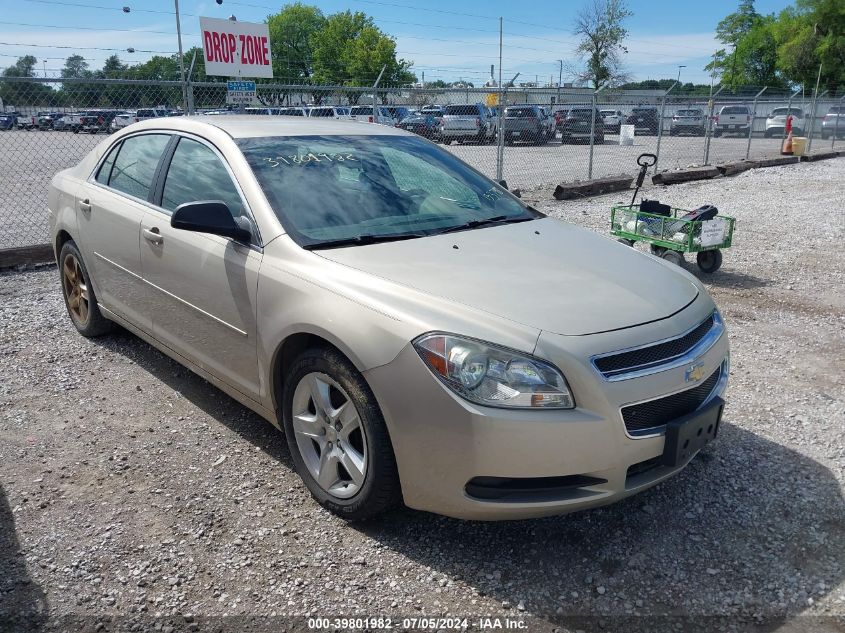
(111, 206)
(203, 287)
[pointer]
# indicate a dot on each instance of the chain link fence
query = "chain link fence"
(547, 135)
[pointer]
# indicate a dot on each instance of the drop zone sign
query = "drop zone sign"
(236, 49)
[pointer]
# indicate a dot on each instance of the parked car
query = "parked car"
(549, 121)
(73, 121)
(398, 112)
(328, 112)
(60, 122)
(524, 123)
(736, 119)
(645, 119)
(365, 113)
(612, 120)
(834, 122)
(579, 122)
(420, 334)
(97, 121)
(776, 122)
(122, 119)
(466, 123)
(45, 120)
(689, 121)
(8, 120)
(435, 110)
(426, 125)
(26, 122)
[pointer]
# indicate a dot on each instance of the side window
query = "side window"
(196, 173)
(105, 169)
(136, 164)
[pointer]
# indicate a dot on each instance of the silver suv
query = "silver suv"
(466, 123)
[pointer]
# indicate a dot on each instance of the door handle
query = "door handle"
(152, 235)
(85, 205)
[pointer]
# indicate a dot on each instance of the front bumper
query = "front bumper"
(445, 445)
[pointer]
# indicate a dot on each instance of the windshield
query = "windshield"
(460, 110)
(521, 113)
(332, 188)
(783, 111)
(734, 110)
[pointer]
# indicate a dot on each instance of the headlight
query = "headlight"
(494, 376)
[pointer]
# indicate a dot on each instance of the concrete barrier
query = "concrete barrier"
(822, 155)
(577, 189)
(774, 161)
(26, 255)
(736, 167)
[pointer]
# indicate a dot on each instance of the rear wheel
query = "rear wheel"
(337, 436)
(709, 261)
(622, 240)
(80, 300)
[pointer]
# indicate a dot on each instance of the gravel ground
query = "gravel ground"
(134, 494)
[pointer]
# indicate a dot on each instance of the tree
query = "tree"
(76, 67)
(292, 36)
(25, 93)
(600, 27)
(113, 68)
(350, 50)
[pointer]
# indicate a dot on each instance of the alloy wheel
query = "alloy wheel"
(76, 290)
(329, 435)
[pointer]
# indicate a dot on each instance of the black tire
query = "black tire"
(622, 240)
(716, 134)
(673, 256)
(93, 323)
(381, 489)
(657, 251)
(709, 261)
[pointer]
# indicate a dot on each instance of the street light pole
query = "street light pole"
(679, 73)
(181, 59)
(559, 80)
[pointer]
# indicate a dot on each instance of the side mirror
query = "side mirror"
(208, 216)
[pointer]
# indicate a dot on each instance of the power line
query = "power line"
(84, 48)
(97, 6)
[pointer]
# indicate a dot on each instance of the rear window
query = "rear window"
(837, 110)
(522, 113)
(690, 112)
(734, 110)
(608, 112)
(460, 110)
(783, 111)
(582, 113)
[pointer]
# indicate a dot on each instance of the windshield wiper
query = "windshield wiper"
(472, 224)
(361, 240)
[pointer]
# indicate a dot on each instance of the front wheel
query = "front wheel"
(673, 257)
(622, 240)
(709, 261)
(337, 436)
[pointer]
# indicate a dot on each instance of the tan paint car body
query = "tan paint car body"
(233, 313)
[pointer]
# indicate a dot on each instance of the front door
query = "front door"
(203, 287)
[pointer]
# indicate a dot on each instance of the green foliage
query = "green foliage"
(292, 34)
(76, 67)
(783, 50)
(22, 94)
(600, 27)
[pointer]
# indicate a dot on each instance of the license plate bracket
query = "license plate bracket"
(688, 434)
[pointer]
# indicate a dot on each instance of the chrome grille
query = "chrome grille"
(617, 364)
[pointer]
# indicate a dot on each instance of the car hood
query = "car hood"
(545, 274)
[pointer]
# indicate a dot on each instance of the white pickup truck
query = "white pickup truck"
(735, 119)
(365, 113)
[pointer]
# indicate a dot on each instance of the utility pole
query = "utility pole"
(181, 60)
(501, 140)
(559, 80)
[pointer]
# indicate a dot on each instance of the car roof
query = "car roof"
(251, 126)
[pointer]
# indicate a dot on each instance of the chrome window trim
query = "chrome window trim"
(672, 362)
(656, 431)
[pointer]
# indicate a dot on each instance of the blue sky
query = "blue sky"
(446, 39)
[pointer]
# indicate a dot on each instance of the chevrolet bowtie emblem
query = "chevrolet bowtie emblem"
(694, 373)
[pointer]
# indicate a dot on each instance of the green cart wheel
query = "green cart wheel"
(622, 240)
(673, 256)
(709, 261)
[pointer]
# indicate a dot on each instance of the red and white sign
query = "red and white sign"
(236, 49)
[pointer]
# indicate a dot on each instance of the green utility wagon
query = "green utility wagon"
(672, 232)
(671, 236)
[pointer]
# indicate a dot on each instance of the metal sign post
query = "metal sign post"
(660, 122)
(751, 126)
